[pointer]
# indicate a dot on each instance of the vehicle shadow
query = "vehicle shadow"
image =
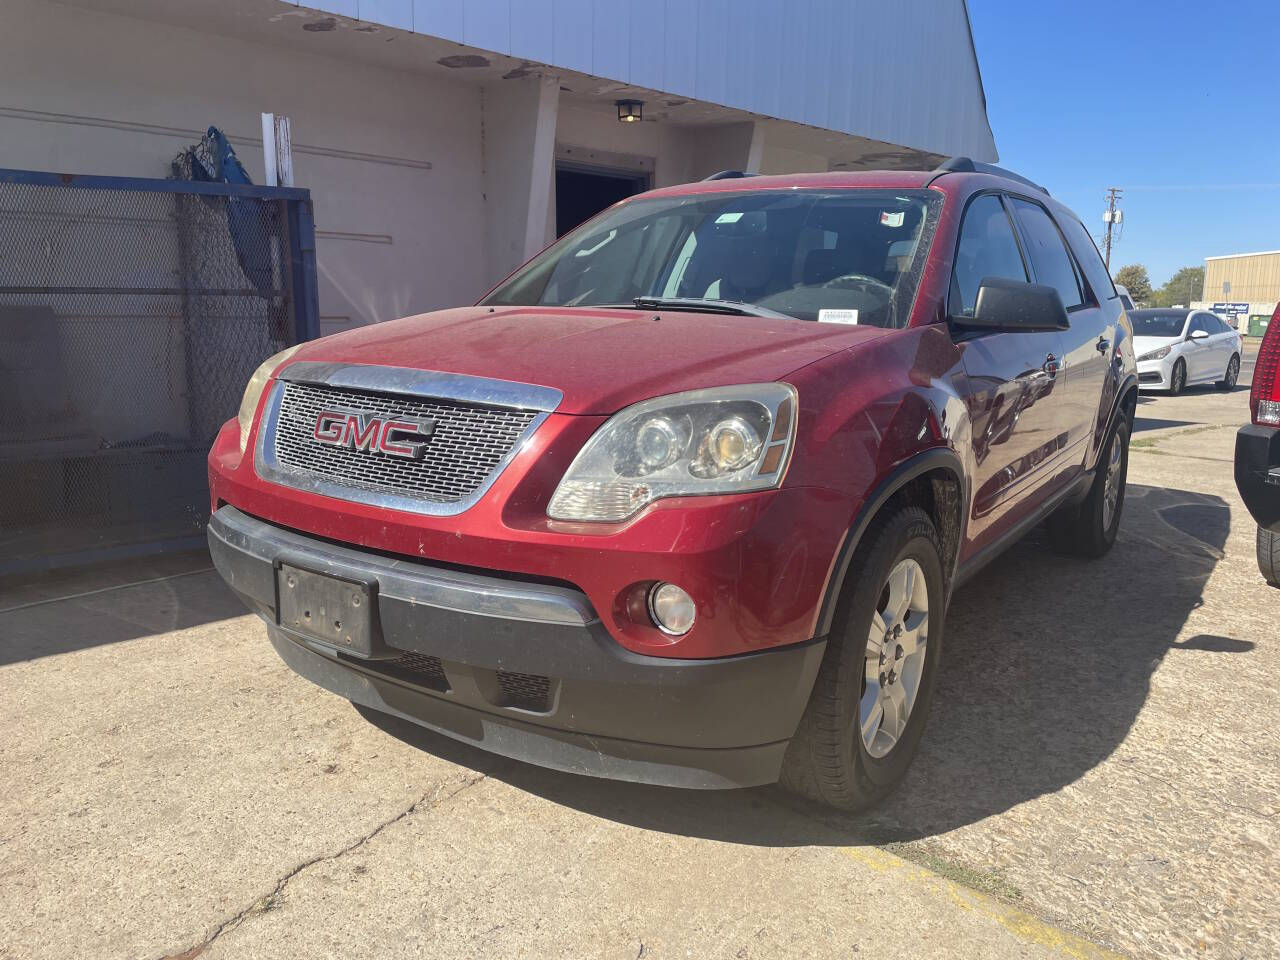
(93, 608)
(1151, 423)
(1047, 665)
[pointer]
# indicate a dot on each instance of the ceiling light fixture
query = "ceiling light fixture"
(630, 111)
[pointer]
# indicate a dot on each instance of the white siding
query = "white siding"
(901, 72)
(393, 160)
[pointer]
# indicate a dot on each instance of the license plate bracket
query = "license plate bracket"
(333, 610)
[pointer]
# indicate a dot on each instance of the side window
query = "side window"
(1198, 323)
(1086, 251)
(1049, 258)
(1223, 326)
(987, 248)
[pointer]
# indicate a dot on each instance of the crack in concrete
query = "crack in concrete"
(266, 902)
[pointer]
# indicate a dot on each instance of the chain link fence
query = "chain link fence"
(132, 313)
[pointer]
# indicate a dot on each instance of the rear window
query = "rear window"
(1151, 323)
(1086, 251)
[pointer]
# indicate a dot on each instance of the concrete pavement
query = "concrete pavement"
(1100, 773)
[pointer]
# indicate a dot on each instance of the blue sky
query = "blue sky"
(1179, 103)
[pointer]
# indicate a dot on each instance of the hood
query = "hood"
(1143, 345)
(600, 359)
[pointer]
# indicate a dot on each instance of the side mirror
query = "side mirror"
(1013, 306)
(1198, 334)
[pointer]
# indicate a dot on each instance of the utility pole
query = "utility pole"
(1111, 218)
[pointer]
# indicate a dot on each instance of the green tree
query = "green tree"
(1134, 278)
(1183, 287)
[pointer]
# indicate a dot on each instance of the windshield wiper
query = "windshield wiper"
(700, 305)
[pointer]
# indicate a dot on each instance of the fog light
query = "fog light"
(671, 609)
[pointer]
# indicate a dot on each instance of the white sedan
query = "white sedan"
(1180, 347)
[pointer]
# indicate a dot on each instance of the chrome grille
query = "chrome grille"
(468, 445)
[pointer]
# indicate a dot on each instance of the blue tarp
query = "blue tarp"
(250, 221)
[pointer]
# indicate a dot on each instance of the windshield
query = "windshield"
(1152, 323)
(847, 256)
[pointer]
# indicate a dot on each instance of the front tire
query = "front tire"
(1178, 379)
(1090, 529)
(871, 700)
(1228, 382)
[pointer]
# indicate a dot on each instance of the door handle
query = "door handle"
(1103, 344)
(1051, 365)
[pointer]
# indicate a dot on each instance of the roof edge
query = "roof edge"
(1236, 256)
(977, 69)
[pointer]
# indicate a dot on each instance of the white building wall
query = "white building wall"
(429, 187)
(518, 128)
(865, 67)
(392, 159)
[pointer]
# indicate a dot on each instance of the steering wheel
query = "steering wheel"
(860, 281)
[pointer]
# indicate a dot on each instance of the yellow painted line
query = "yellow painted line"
(1021, 924)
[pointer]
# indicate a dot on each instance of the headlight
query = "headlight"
(253, 392)
(722, 440)
(1156, 354)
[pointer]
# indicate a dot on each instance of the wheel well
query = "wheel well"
(1130, 403)
(938, 490)
(939, 494)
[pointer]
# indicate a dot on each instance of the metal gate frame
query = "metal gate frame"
(298, 203)
(302, 285)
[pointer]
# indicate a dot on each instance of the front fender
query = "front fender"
(939, 458)
(873, 419)
(1121, 385)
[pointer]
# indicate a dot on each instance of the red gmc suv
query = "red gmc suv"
(684, 499)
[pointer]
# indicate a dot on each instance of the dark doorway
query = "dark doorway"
(582, 193)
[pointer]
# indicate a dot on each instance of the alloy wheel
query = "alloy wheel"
(896, 649)
(1111, 491)
(1233, 372)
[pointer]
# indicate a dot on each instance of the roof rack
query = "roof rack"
(965, 165)
(729, 175)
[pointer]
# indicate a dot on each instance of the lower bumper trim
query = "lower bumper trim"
(523, 669)
(612, 758)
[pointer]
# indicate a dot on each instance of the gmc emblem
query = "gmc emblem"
(366, 432)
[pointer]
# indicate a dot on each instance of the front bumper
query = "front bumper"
(1155, 374)
(526, 669)
(1258, 473)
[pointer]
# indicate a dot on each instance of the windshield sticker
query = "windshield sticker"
(729, 217)
(888, 219)
(837, 316)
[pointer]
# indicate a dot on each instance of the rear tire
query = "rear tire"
(1228, 382)
(841, 754)
(1090, 529)
(1269, 556)
(1178, 379)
